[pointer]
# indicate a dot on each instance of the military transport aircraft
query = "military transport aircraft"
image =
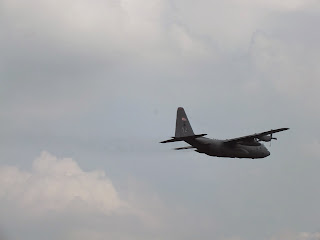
(241, 147)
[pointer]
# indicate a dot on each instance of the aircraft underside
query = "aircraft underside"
(218, 148)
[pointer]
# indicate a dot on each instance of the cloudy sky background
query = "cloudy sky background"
(89, 88)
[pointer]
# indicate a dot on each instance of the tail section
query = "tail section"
(183, 127)
(184, 131)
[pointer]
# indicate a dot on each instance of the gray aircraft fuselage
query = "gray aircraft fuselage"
(249, 146)
(218, 148)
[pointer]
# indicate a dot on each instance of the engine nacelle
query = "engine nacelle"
(265, 138)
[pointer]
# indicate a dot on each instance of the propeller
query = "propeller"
(266, 138)
(272, 138)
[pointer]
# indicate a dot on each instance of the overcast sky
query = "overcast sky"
(89, 88)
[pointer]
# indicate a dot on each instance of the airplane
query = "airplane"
(242, 147)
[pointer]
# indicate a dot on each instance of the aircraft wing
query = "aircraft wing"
(253, 136)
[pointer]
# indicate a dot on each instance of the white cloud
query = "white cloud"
(77, 204)
(59, 185)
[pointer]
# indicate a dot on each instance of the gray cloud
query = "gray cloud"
(100, 81)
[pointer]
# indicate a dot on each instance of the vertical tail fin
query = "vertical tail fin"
(183, 127)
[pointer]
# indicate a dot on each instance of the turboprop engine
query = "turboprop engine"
(266, 138)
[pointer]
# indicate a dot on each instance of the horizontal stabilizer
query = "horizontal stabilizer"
(182, 148)
(177, 139)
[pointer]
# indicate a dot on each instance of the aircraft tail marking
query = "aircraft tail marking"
(183, 127)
